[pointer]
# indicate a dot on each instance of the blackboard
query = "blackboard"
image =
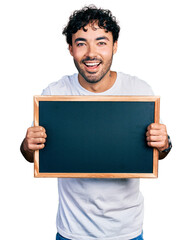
(96, 136)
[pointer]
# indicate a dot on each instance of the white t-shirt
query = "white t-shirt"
(102, 209)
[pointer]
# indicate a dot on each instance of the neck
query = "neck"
(103, 85)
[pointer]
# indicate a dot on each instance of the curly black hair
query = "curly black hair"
(91, 14)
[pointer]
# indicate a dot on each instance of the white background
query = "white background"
(155, 44)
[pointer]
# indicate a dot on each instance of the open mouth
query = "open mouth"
(92, 65)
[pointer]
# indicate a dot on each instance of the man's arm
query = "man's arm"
(157, 137)
(34, 140)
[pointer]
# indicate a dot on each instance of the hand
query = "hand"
(35, 139)
(157, 137)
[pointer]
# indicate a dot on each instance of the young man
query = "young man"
(97, 208)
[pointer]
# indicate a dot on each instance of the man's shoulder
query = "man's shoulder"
(131, 78)
(63, 81)
(61, 86)
(134, 85)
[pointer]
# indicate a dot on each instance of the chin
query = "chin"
(92, 79)
(89, 80)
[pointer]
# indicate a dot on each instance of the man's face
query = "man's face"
(93, 53)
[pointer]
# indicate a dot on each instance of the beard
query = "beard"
(91, 76)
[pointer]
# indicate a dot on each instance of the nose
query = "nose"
(91, 51)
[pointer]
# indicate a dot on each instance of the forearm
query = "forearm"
(27, 154)
(35, 140)
(162, 155)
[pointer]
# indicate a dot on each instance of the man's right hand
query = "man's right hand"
(34, 140)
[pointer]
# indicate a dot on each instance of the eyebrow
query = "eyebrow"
(80, 39)
(85, 40)
(102, 38)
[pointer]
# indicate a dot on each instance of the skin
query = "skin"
(95, 46)
(157, 137)
(34, 140)
(92, 52)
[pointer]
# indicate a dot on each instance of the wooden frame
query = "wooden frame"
(131, 99)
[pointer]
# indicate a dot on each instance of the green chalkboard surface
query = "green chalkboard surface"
(95, 137)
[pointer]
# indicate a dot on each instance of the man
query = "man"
(97, 208)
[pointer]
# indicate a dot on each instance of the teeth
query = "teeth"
(91, 64)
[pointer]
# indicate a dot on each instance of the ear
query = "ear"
(71, 50)
(115, 45)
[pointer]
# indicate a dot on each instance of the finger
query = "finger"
(37, 140)
(35, 143)
(156, 138)
(153, 133)
(36, 129)
(159, 142)
(35, 132)
(36, 135)
(152, 126)
(36, 146)
(157, 145)
(156, 126)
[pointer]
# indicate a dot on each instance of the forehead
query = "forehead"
(92, 32)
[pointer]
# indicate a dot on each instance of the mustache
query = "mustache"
(91, 59)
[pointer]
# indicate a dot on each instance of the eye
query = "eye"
(102, 43)
(80, 44)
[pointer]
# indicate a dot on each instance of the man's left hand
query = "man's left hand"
(157, 137)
